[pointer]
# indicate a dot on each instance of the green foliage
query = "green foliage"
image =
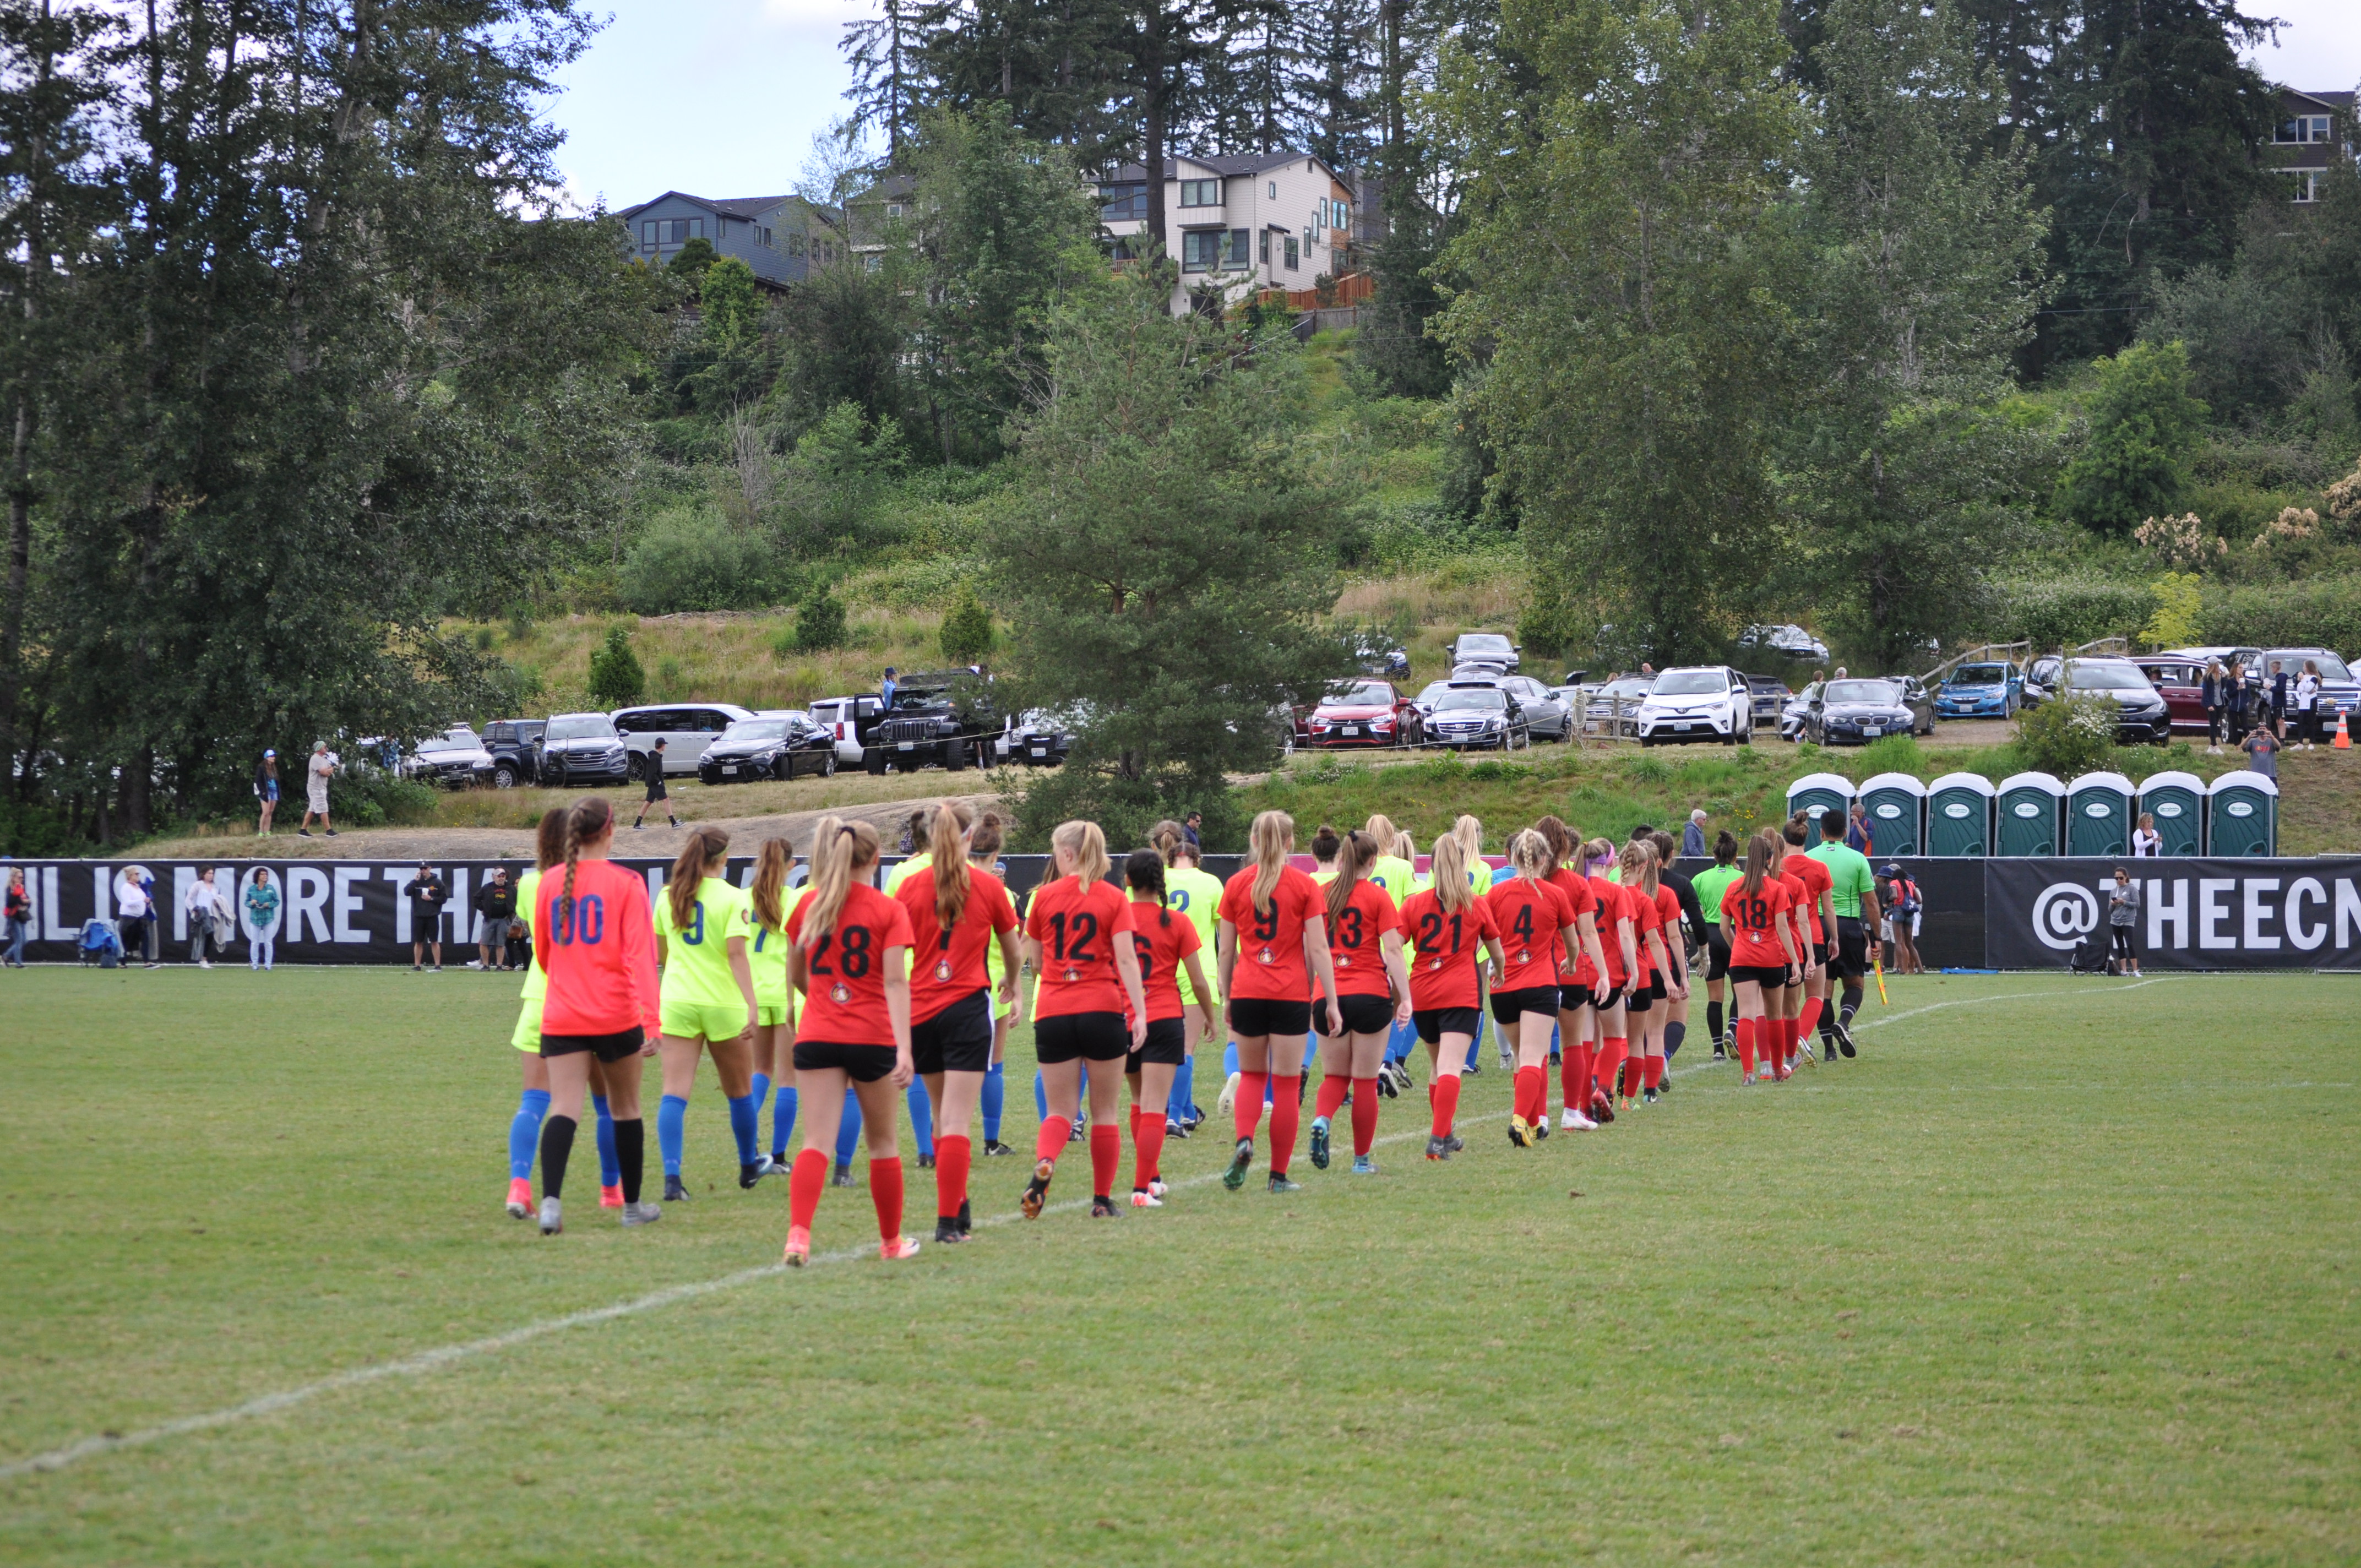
(840, 340)
(693, 560)
(2065, 610)
(1892, 754)
(820, 622)
(365, 797)
(2322, 612)
(1123, 806)
(692, 261)
(2180, 602)
(967, 631)
(2143, 429)
(732, 308)
(836, 481)
(2069, 735)
(616, 678)
(2245, 345)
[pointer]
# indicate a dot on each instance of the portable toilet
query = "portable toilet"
(2177, 801)
(2243, 815)
(1814, 792)
(2098, 815)
(1960, 815)
(2030, 806)
(1896, 805)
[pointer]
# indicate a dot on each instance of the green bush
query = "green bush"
(616, 678)
(2070, 736)
(967, 635)
(2064, 612)
(820, 622)
(2324, 612)
(361, 795)
(2145, 428)
(1894, 754)
(696, 561)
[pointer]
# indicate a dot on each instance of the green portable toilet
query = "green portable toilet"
(1814, 792)
(2177, 801)
(1960, 815)
(1896, 804)
(2098, 815)
(2243, 816)
(2030, 807)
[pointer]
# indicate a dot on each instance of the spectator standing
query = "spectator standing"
(2238, 701)
(2123, 914)
(427, 895)
(495, 908)
(656, 791)
(914, 832)
(2262, 749)
(2214, 692)
(204, 909)
(1693, 836)
(135, 917)
(1905, 906)
(2306, 704)
(316, 774)
(265, 791)
(2278, 697)
(262, 917)
(887, 687)
(1188, 826)
(19, 915)
(1857, 836)
(2147, 842)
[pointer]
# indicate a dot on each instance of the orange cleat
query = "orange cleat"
(611, 1197)
(798, 1247)
(520, 1197)
(899, 1247)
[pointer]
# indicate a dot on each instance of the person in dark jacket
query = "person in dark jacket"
(2214, 693)
(19, 916)
(495, 907)
(427, 896)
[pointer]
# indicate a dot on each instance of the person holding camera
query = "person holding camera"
(427, 895)
(2123, 914)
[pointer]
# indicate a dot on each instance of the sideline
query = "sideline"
(435, 1360)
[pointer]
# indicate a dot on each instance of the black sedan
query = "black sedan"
(1854, 712)
(2145, 719)
(769, 746)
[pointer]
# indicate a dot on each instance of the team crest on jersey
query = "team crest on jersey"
(1072, 974)
(840, 994)
(1344, 961)
(1264, 957)
(1523, 958)
(943, 971)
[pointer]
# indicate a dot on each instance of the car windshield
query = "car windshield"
(596, 727)
(2108, 678)
(1368, 694)
(1690, 683)
(1473, 697)
(1861, 691)
(448, 743)
(1485, 645)
(755, 729)
(1977, 675)
(1629, 685)
(2332, 668)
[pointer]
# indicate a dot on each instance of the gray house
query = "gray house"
(782, 238)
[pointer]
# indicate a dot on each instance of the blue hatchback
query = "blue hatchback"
(1994, 690)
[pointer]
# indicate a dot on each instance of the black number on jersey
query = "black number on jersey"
(1085, 927)
(1266, 925)
(1524, 924)
(855, 948)
(1754, 913)
(1348, 927)
(1429, 933)
(1141, 948)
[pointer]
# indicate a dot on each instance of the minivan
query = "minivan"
(686, 729)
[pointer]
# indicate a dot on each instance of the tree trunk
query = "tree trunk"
(27, 415)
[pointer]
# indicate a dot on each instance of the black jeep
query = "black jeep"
(942, 717)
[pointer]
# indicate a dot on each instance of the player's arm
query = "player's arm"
(1324, 966)
(1196, 968)
(742, 971)
(896, 978)
(1126, 965)
(1398, 973)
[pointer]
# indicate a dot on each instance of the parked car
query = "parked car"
(1477, 713)
(2339, 690)
(849, 719)
(768, 746)
(1039, 740)
(942, 717)
(455, 759)
(1699, 702)
(1376, 654)
(2180, 682)
(514, 746)
(1793, 712)
(1770, 695)
(581, 749)
(2040, 681)
(2146, 718)
(686, 729)
(1789, 641)
(1365, 713)
(1614, 706)
(1990, 689)
(1485, 648)
(1856, 710)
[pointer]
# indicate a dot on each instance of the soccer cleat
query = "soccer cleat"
(1508, 1057)
(1228, 1099)
(1804, 1051)
(676, 1192)
(1454, 1142)
(947, 1233)
(898, 1248)
(1626, 1107)
(1075, 1134)
(1173, 1129)
(1155, 1188)
(752, 1175)
(1542, 1127)
(843, 1177)
(1438, 1148)
(1576, 1122)
(1234, 1176)
(1844, 1039)
(1520, 1134)
(1602, 1109)
(552, 1216)
(926, 1162)
(612, 1196)
(520, 1197)
(994, 1146)
(1279, 1183)
(966, 1221)
(1647, 1096)
(1101, 1208)
(1364, 1166)
(1744, 1078)
(641, 1213)
(1718, 1054)
(1143, 1199)
(1036, 1189)
(1319, 1143)
(1388, 1081)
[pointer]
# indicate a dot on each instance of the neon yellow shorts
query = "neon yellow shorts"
(714, 1020)
(770, 1013)
(527, 1036)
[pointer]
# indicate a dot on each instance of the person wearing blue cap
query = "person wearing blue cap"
(265, 790)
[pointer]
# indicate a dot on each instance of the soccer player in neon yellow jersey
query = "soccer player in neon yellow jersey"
(1710, 884)
(774, 1008)
(1189, 890)
(707, 1003)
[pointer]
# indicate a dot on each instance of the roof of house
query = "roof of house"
(889, 187)
(748, 207)
(1224, 164)
(2331, 100)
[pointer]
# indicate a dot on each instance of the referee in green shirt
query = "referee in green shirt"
(1853, 896)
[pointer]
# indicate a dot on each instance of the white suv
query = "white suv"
(1702, 702)
(687, 729)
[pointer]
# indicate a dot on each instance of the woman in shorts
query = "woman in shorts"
(1166, 945)
(1272, 947)
(1581, 977)
(1636, 867)
(1078, 944)
(769, 901)
(1364, 948)
(1762, 954)
(532, 1106)
(1445, 925)
(1711, 884)
(702, 939)
(1669, 953)
(848, 954)
(1195, 894)
(1618, 941)
(1535, 925)
(958, 913)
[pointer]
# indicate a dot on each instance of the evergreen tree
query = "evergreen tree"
(967, 633)
(2143, 429)
(616, 678)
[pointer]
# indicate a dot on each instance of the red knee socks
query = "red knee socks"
(1630, 1075)
(1573, 1076)
(885, 1192)
(1286, 1114)
(1532, 1085)
(1792, 1038)
(1252, 1087)
(1147, 1150)
(1655, 1073)
(1611, 1056)
(953, 1155)
(1447, 1103)
(1813, 1007)
(1746, 1046)
(1106, 1156)
(806, 1182)
(1332, 1095)
(1365, 1114)
(1051, 1142)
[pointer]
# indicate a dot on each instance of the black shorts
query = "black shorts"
(1639, 996)
(605, 1047)
(1168, 1045)
(1771, 977)
(1852, 955)
(656, 779)
(1253, 1017)
(1364, 1015)
(1436, 1022)
(1094, 1036)
(1820, 954)
(862, 1064)
(1615, 997)
(957, 1039)
(1717, 956)
(1508, 1006)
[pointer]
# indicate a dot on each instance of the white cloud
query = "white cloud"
(826, 14)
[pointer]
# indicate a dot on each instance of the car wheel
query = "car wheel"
(634, 770)
(828, 763)
(1746, 736)
(504, 777)
(955, 755)
(872, 761)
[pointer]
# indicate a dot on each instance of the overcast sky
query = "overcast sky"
(723, 97)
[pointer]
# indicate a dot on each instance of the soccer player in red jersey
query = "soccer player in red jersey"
(1642, 1009)
(1790, 1008)
(1762, 954)
(1446, 926)
(1535, 925)
(1165, 947)
(1668, 987)
(849, 953)
(1618, 937)
(958, 911)
(1821, 922)
(594, 937)
(1582, 976)
(1272, 944)
(1372, 995)
(1078, 939)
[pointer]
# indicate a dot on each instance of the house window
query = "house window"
(648, 235)
(2304, 128)
(670, 231)
(893, 209)
(795, 243)
(765, 239)
(1201, 250)
(1292, 261)
(1271, 188)
(872, 263)
(2307, 185)
(1266, 248)
(1122, 203)
(1201, 192)
(1237, 257)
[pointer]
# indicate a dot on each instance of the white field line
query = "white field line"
(435, 1360)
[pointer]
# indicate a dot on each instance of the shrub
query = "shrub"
(367, 796)
(2324, 612)
(694, 561)
(616, 678)
(1126, 808)
(2062, 612)
(966, 636)
(1894, 754)
(820, 622)
(2068, 736)
(2178, 598)
(2144, 430)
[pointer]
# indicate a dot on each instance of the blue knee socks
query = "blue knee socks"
(525, 1133)
(761, 1092)
(1040, 1098)
(672, 1114)
(783, 1120)
(995, 1094)
(610, 1170)
(922, 1119)
(847, 1132)
(746, 1121)
(1183, 1081)
(1399, 1041)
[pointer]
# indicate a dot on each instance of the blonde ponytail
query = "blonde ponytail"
(1272, 835)
(772, 863)
(1448, 873)
(705, 846)
(947, 844)
(1087, 844)
(1528, 852)
(839, 848)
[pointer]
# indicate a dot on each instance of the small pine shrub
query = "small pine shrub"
(967, 633)
(820, 622)
(616, 678)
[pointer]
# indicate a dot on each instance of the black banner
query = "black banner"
(2194, 913)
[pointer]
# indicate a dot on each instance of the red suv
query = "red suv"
(2178, 681)
(1365, 713)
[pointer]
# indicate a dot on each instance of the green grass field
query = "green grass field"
(2059, 1270)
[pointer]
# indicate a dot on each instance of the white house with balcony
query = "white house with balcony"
(1272, 220)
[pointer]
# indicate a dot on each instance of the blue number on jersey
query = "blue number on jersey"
(585, 922)
(1180, 900)
(762, 934)
(695, 934)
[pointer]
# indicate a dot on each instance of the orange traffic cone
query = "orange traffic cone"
(2344, 742)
